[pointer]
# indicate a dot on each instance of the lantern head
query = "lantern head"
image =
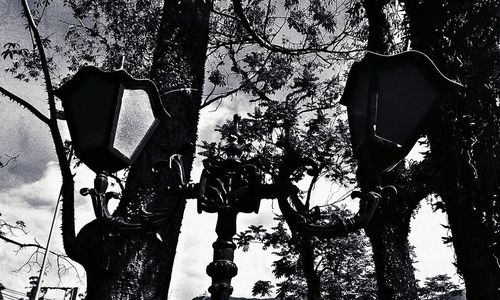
(110, 116)
(389, 101)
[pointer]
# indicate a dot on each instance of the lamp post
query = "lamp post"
(389, 100)
(110, 117)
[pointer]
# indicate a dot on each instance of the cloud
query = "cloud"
(25, 136)
(21, 132)
(38, 194)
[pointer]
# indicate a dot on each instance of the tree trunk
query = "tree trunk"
(380, 39)
(394, 269)
(462, 39)
(123, 264)
(389, 230)
(310, 273)
(388, 235)
(472, 239)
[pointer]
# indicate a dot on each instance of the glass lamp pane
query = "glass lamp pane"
(134, 120)
(405, 98)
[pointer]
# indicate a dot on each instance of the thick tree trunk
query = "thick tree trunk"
(380, 39)
(388, 232)
(462, 37)
(472, 239)
(124, 264)
(394, 269)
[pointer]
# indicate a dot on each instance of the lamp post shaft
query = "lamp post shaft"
(222, 269)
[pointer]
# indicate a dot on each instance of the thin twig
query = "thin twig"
(27, 245)
(10, 158)
(91, 31)
(118, 181)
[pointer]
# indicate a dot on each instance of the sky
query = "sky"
(29, 188)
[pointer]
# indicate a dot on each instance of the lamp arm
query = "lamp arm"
(304, 221)
(145, 220)
(301, 222)
(100, 200)
(343, 226)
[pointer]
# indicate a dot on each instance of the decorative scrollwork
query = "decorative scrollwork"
(227, 183)
(100, 201)
(301, 218)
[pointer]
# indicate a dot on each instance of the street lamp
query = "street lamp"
(390, 100)
(110, 117)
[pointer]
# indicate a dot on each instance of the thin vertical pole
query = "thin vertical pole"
(222, 269)
(49, 239)
(47, 248)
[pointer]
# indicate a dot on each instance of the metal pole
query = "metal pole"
(47, 247)
(222, 269)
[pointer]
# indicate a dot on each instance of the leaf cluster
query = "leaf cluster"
(260, 49)
(105, 31)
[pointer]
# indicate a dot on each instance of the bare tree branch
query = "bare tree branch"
(24, 104)
(64, 264)
(27, 245)
(43, 60)
(221, 96)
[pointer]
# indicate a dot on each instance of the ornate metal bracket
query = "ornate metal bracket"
(100, 201)
(368, 205)
(302, 219)
(228, 186)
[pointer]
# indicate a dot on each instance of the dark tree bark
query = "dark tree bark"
(380, 38)
(389, 230)
(306, 248)
(136, 264)
(462, 39)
